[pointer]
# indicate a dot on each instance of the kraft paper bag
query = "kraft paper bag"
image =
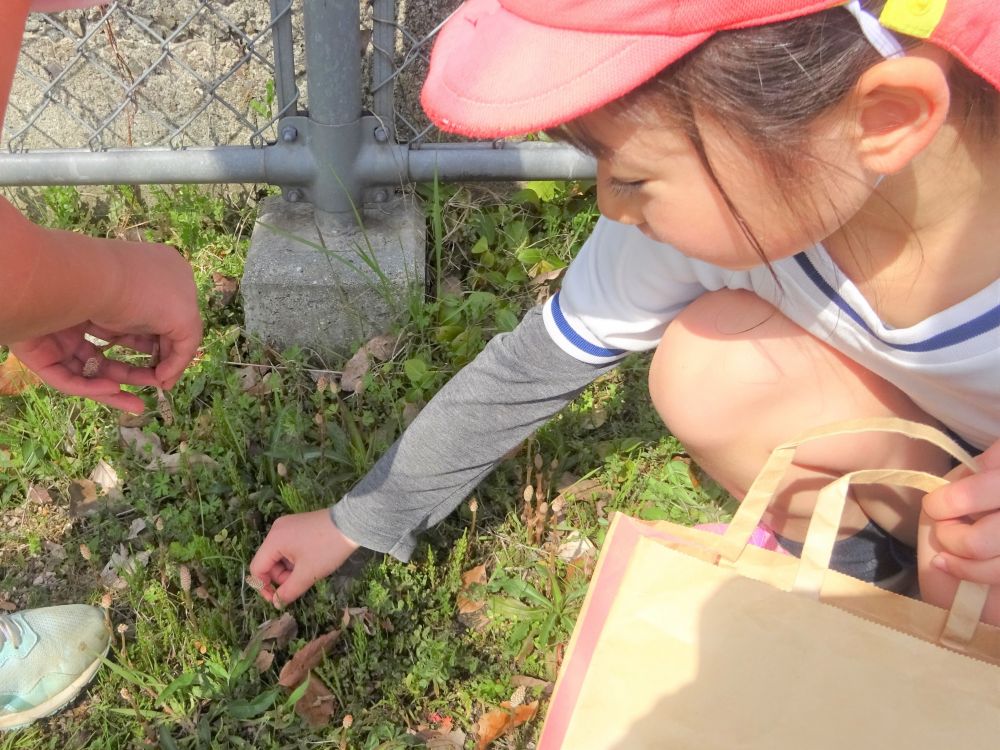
(692, 640)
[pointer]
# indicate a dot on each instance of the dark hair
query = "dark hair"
(766, 85)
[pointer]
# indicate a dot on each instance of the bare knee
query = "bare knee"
(709, 370)
(733, 378)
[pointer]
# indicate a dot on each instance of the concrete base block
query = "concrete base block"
(310, 278)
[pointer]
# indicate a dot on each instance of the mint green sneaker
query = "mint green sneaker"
(47, 656)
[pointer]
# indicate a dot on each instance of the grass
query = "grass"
(183, 671)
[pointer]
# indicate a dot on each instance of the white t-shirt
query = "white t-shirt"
(623, 289)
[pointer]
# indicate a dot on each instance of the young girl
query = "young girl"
(801, 202)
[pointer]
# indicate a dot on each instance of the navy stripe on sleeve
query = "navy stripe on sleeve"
(576, 339)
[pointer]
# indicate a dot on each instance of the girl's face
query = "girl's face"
(654, 178)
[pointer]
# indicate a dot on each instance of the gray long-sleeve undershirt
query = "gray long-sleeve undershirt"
(519, 381)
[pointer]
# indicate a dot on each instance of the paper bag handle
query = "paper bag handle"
(970, 598)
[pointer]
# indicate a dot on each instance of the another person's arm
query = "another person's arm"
(60, 286)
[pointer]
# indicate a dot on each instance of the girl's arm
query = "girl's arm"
(512, 388)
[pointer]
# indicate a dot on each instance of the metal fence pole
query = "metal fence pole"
(333, 127)
(286, 93)
(383, 67)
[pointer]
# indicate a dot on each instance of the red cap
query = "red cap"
(506, 67)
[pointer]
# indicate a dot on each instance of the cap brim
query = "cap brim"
(493, 74)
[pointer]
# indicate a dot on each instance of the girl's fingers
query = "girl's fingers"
(978, 571)
(974, 541)
(268, 562)
(979, 493)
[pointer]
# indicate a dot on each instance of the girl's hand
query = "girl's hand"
(299, 550)
(960, 535)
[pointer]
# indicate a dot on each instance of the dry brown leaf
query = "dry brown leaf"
(281, 631)
(470, 600)
(305, 659)
(582, 489)
(121, 562)
(264, 660)
(354, 371)
(378, 349)
(134, 420)
(138, 526)
(544, 278)
(83, 498)
(467, 600)
(438, 739)
(317, 704)
(575, 547)
(105, 476)
(224, 288)
(253, 382)
(381, 347)
(495, 724)
(15, 378)
(146, 444)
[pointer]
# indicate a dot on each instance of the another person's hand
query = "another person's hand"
(150, 306)
(960, 535)
(299, 550)
(69, 362)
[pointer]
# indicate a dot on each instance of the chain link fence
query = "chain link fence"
(144, 73)
(147, 73)
(213, 90)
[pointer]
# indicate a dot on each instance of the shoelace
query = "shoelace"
(9, 631)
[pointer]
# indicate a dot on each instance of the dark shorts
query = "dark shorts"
(873, 555)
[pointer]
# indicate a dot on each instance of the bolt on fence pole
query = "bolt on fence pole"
(333, 70)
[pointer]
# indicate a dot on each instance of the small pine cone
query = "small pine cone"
(518, 697)
(185, 575)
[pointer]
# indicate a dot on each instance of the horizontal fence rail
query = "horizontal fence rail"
(242, 91)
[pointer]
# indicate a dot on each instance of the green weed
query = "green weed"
(184, 670)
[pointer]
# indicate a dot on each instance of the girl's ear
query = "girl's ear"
(902, 104)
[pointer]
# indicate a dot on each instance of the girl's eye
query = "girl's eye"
(622, 187)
